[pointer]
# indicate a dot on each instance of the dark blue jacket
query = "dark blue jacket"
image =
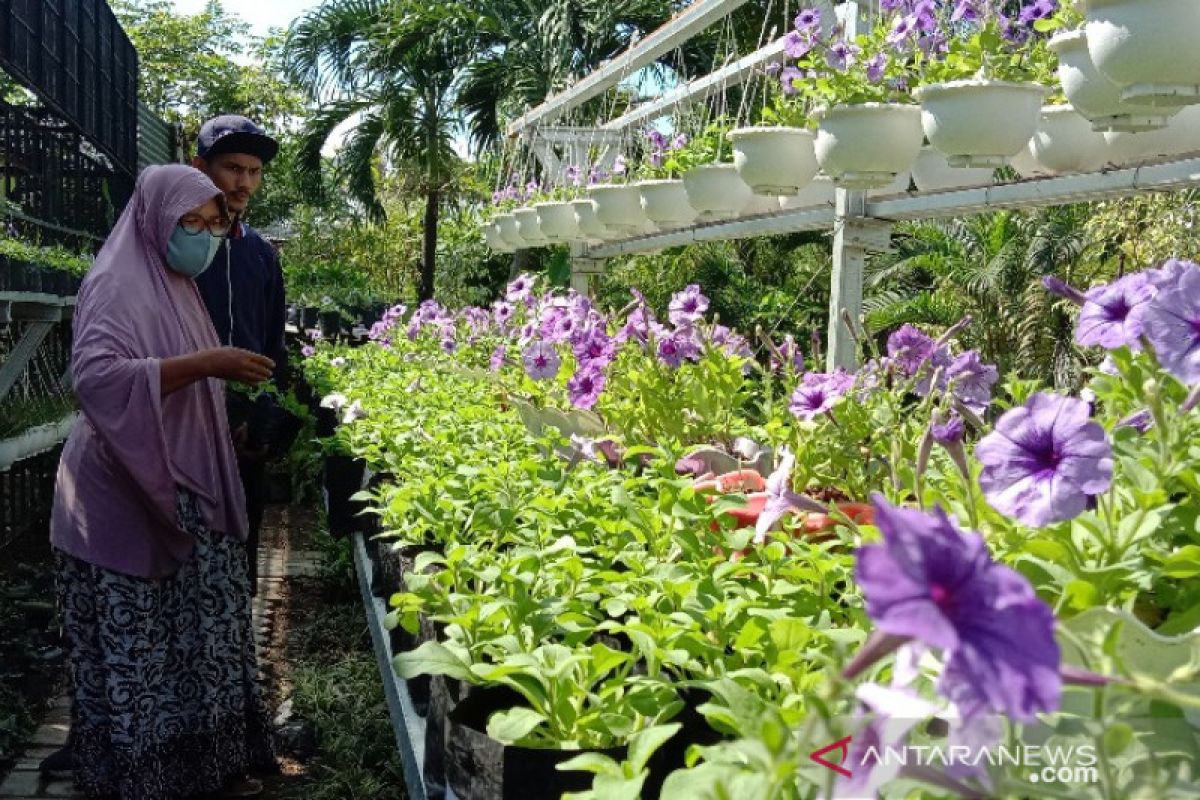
(248, 263)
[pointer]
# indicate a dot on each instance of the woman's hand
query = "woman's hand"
(229, 363)
(236, 364)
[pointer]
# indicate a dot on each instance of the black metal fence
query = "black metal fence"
(74, 55)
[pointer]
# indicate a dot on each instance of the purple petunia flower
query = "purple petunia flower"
(965, 11)
(679, 142)
(1057, 286)
(585, 386)
(876, 66)
(841, 54)
(503, 312)
(818, 392)
(971, 380)
(1171, 323)
(687, 306)
(909, 348)
(1045, 461)
(948, 432)
(496, 363)
(1108, 318)
(520, 290)
(931, 582)
(808, 20)
(796, 44)
(678, 346)
(787, 79)
(1167, 276)
(781, 499)
(594, 348)
(1038, 9)
(308, 351)
(541, 361)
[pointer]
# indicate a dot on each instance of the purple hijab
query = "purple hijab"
(123, 465)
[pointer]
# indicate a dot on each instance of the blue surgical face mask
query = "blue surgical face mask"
(190, 254)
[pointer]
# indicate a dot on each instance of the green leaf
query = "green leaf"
(431, 658)
(1118, 737)
(613, 787)
(596, 763)
(1183, 563)
(789, 634)
(513, 725)
(1081, 595)
(643, 744)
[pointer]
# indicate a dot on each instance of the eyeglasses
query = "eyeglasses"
(194, 225)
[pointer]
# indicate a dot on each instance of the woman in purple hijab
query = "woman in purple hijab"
(149, 516)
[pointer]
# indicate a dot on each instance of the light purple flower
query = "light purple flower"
(585, 386)
(520, 290)
(876, 66)
(496, 363)
(1171, 323)
(971, 380)
(781, 499)
(594, 348)
(1168, 275)
(541, 361)
(808, 20)
(1061, 288)
(931, 582)
(796, 44)
(841, 54)
(503, 312)
(909, 348)
(679, 142)
(1045, 461)
(965, 11)
(353, 413)
(818, 392)
(948, 432)
(1038, 9)
(787, 79)
(1109, 317)
(308, 351)
(687, 306)
(678, 346)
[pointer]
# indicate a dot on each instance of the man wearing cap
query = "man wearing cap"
(243, 289)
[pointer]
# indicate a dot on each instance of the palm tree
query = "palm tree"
(990, 266)
(356, 60)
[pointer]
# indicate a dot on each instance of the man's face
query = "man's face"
(236, 174)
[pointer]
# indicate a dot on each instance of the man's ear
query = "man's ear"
(200, 163)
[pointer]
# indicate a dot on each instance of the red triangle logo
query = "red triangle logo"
(842, 745)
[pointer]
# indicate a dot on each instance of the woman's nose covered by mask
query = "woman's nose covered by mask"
(190, 254)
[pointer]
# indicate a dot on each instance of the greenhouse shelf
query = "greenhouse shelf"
(407, 725)
(34, 307)
(36, 440)
(1063, 190)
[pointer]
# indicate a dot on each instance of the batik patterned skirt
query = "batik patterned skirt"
(165, 703)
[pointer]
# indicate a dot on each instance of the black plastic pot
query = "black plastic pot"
(293, 315)
(6, 274)
(671, 755)
(343, 478)
(281, 429)
(309, 316)
(330, 324)
(480, 768)
(444, 694)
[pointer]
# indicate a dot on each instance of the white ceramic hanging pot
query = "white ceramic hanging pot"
(1026, 166)
(1147, 47)
(589, 224)
(819, 193)
(1095, 96)
(980, 123)
(491, 234)
(866, 146)
(716, 191)
(509, 232)
(619, 207)
(666, 203)
(557, 221)
(1065, 142)
(775, 161)
(932, 173)
(1180, 137)
(529, 227)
